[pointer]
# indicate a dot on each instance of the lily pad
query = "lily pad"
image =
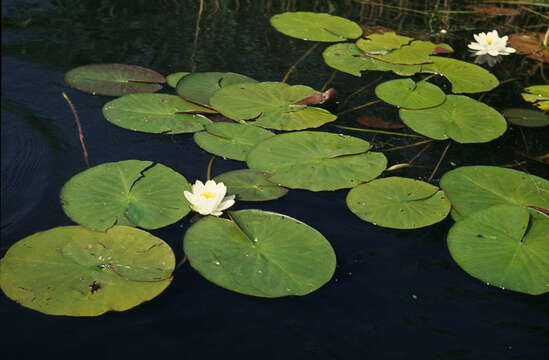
(78, 272)
(473, 188)
(398, 203)
(526, 117)
(538, 95)
(130, 192)
(316, 26)
(503, 246)
(418, 52)
(251, 185)
(272, 105)
(464, 77)
(317, 161)
(114, 79)
(531, 45)
(408, 94)
(156, 113)
(230, 140)
(460, 118)
(174, 78)
(348, 58)
(381, 44)
(261, 254)
(199, 87)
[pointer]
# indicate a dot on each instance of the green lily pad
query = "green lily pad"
(199, 87)
(272, 105)
(156, 113)
(473, 188)
(317, 161)
(460, 118)
(464, 77)
(381, 44)
(78, 272)
(408, 94)
(230, 140)
(503, 246)
(261, 254)
(526, 117)
(114, 79)
(316, 26)
(251, 185)
(398, 203)
(348, 58)
(174, 78)
(418, 52)
(130, 192)
(538, 95)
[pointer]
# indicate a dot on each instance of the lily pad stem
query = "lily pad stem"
(328, 81)
(359, 107)
(80, 134)
(439, 162)
(546, 37)
(378, 131)
(209, 171)
(419, 153)
(181, 262)
(407, 146)
(428, 77)
(293, 67)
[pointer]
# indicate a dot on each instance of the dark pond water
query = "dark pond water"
(395, 294)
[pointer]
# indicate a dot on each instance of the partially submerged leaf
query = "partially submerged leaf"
(316, 26)
(503, 246)
(464, 77)
(382, 43)
(460, 118)
(316, 161)
(156, 113)
(398, 203)
(78, 272)
(375, 122)
(473, 188)
(230, 140)
(114, 79)
(261, 253)
(130, 192)
(271, 105)
(199, 87)
(408, 94)
(251, 185)
(174, 78)
(348, 58)
(538, 95)
(526, 117)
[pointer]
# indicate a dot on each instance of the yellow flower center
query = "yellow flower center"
(489, 41)
(208, 195)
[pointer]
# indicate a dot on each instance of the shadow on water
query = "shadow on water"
(395, 294)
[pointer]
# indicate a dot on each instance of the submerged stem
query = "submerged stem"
(439, 162)
(79, 126)
(378, 131)
(359, 107)
(181, 262)
(293, 67)
(209, 170)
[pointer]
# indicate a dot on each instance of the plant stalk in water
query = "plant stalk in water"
(80, 134)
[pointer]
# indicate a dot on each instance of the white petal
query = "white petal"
(198, 187)
(216, 213)
(493, 52)
(475, 46)
(221, 190)
(225, 204)
(509, 50)
(190, 196)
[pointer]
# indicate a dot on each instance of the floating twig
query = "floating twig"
(80, 134)
(420, 153)
(181, 262)
(407, 146)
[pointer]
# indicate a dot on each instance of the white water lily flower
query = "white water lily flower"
(209, 198)
(491, 44)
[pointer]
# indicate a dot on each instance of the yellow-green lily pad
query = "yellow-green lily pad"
(74, 271)
(316, 26)
(408, 94)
